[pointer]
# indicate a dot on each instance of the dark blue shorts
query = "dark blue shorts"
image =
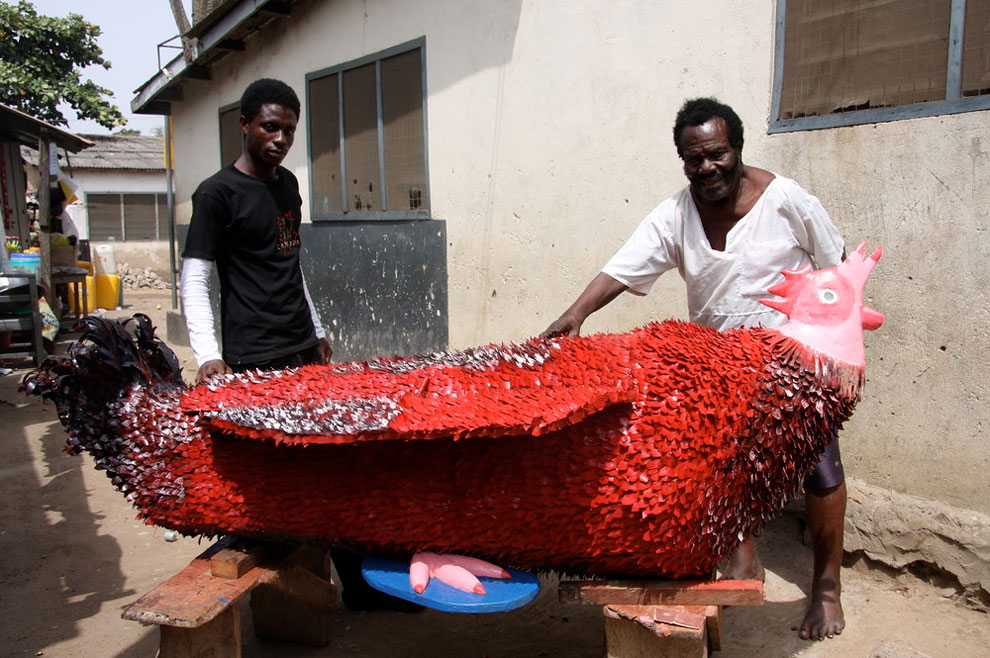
(828, 473)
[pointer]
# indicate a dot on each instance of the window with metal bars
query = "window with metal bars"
(848, 62)
(367, 137)
(127, 216)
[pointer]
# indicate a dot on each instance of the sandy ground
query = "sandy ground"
(73, 556)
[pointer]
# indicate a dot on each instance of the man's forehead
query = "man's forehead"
(274, 110)
(712, 132)
(712, 127)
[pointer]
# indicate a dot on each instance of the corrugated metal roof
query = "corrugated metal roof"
(25, 129)
(116, 152)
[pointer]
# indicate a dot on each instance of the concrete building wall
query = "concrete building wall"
(549, 140)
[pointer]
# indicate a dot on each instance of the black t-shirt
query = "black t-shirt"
(250, 228)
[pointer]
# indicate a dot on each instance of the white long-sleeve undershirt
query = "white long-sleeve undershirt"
(200, 323)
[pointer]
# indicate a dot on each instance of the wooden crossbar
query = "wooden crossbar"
(661, 592)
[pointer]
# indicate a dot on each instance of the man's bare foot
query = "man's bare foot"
(824, 618)
(744, 563)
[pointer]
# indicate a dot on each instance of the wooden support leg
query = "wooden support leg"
(632, 631)
(297, 605)
(218, 638)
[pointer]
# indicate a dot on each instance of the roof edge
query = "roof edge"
(224, 20)
(25, 125)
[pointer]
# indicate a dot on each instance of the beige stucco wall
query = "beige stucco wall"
(549, 139)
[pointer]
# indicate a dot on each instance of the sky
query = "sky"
(131, 32)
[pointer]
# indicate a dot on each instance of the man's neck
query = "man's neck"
(718, 217)
(247, 165)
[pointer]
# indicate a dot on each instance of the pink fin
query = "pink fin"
(458, 571)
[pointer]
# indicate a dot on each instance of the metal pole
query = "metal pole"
(171, 211)
(44, 217)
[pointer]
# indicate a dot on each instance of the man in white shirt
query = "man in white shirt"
(729, 233)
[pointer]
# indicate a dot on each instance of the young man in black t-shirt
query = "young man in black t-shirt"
(246, 220)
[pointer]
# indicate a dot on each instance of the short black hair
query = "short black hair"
(698, 111)
(265, 91)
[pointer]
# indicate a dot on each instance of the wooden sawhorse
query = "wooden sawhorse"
(198, 609)
(662, 618)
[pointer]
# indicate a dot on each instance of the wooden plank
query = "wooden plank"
(218, 638)
(631, 632)
(233, 563)
(298, 605)
(662, 592)
(713, 621)
(691, 617)
(194, 596)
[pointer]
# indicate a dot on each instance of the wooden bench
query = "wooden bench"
(663, 618)
(198, 609)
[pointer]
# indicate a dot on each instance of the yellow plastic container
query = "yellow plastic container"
(107, 290)
(90, 299)
(86, 265)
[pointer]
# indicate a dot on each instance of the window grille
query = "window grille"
(845, 62)
(367, 137)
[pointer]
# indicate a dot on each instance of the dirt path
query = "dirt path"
(73, 556)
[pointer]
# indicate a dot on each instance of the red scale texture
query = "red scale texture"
(640, 454)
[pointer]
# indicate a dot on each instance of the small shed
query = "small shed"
(17, 129)
(122, 188)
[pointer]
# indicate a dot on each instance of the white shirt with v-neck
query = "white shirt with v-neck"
(787, 228)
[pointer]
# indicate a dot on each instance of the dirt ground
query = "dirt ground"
(73, 556)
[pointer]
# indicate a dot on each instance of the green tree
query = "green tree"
(41, 61)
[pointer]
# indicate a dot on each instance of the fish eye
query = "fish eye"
(827, 296)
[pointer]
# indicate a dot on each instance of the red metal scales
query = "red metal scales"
(641, 454)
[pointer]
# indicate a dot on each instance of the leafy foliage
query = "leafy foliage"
(41, 61)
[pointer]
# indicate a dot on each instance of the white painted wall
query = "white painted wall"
(550, 138)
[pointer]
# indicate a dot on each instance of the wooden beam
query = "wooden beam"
(662, 592)
(197, 73)
(231, 44)
(173, 93)
(630, 632)
(277, 7)
(194, 596)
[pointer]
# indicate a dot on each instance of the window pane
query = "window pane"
(976, 49)
(104, 216)
(361, 138)
(162, 201)
(856, 54)
(140, 222)
(230, 135)
(324, 137)
(402, 101)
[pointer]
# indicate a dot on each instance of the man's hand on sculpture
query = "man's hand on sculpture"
(210, 368)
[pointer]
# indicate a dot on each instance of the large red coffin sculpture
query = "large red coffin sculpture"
(646, 453)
